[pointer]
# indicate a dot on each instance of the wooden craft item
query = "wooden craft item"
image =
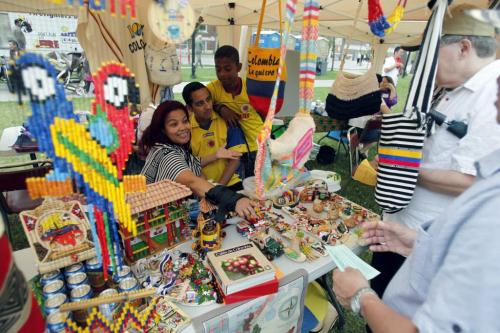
(58, 233)
(158, 313)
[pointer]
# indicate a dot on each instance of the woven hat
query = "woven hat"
(458, 22)
(488, 16)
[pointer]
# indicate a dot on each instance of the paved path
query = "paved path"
(6, 96)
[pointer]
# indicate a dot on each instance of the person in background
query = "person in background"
(198, 45)
(166, 141)
(14, 51)
(392, 65)
(389, 99)
(19, 34)
(467, 69)
(87, 75)
(389, 93)
(229, 95)
(209, 133)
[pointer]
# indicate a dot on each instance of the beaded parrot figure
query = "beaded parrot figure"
(93, 154)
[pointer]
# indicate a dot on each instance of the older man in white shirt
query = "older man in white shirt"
(449, 283)
(467, 69)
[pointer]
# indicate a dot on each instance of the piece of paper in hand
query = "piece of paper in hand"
(343, 257)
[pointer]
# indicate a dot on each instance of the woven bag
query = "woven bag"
(263, 64)
(163, 65)
(353, 96)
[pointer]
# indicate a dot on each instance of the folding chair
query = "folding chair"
(353, 140)
(14, 197)
(339, 135)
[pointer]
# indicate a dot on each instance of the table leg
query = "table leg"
(331, 295)
(33, 158)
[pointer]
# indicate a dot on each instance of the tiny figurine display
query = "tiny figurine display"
(161, 215)
(271, 247)
(314, 190)
(58, 233)
(289, 198)
(172, 319)
(208, 232)
(194, 285)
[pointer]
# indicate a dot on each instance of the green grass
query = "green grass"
(207, 73)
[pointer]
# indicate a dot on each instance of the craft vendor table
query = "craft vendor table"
(315, 269)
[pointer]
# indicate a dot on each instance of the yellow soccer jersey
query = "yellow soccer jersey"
(207, 142)
(250, 120)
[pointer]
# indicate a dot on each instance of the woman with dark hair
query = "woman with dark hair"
(389, 93)
(166, 143)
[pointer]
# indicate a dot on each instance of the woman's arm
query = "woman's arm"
(242, 205)
(198, 185)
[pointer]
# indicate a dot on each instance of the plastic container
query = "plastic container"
(249, 187)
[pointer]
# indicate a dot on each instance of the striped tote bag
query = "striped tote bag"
(400, 152)
(402, 135)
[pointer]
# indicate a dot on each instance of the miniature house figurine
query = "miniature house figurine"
(59, 233)
(208, 231)
(161, 215)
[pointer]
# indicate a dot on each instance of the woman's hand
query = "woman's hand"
(245, 208)
(347, 283)
(388, 237)
(222, 152)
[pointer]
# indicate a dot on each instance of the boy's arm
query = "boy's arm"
(229, 116)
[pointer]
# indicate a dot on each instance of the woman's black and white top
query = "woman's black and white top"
(167, 161)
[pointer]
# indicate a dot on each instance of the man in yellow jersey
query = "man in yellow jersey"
(209, 133)
(229, 95)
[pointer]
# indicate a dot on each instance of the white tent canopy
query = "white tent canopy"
(336, 16)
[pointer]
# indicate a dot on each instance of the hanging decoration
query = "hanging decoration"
(376, 19)
(111, 5)
(92, 155)
(280, 161)
(172, 21)
(263, 64)
(396, 16)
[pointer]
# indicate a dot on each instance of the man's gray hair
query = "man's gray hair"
(485, 46)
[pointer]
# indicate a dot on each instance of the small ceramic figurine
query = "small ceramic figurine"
(318, 206)
(208, 231)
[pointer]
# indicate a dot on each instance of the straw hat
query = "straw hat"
(488, 16)
(459, 22)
